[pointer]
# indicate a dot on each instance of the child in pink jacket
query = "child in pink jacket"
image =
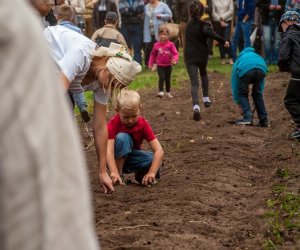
(163, 55)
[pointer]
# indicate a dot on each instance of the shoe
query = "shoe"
(196, 115)
(85, 115)
(263, 123)
(168, 94)
(207, 104)
(223, 62)
(295, 134)
(243, 121)
(160, 94)
(230, 61)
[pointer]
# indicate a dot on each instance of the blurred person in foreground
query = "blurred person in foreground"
(44, 195)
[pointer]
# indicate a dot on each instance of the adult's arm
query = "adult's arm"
(284, 53)
(100, 136)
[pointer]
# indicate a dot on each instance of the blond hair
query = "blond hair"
(64, 13)
(128, 99)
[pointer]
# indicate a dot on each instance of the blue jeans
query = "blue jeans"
(271, 38)
(245, 29)
(133, 34)
(136, 161)
(254, 76)
(79, 100)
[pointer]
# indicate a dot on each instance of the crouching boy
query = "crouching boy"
(126, 132)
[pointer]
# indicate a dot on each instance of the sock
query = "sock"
(196, 107)
(206, 99)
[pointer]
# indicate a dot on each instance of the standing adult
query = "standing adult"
(79, 9)
(156, 13)
(245, 15)
(271, 11)
(222, 15)
(101, 8)
(45, 198)
(182, 15)
(132, 13)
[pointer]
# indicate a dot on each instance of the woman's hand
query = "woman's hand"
(226, 44)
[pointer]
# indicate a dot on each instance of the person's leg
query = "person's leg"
(192, 70)
(161, 79)
(257, 80)
(205, 83)
(137, 40)
(246, 29)
(227, 32)
(235, 39)
(139, 162)
(182, 28)
(245, 80)
(168, 71)
(125, 31)
(292, 100)
(267, 39)
(148, 49)
(276, 43)
(218, 29)
(82, 106)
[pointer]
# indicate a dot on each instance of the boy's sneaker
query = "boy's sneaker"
(207, 104)
(295, 134)
(168, 94)
(196, 115)
(263, 123)
(85, 115)
(244, 121)
(160, 94)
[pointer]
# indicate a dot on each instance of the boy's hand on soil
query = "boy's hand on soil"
(116, 179)
(106, 183)
(148, 179)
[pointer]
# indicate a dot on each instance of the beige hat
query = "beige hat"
(120, 62)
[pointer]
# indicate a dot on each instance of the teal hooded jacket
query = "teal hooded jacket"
(246, 61)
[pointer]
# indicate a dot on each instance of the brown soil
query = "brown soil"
(215, 179)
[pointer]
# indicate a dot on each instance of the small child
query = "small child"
(163, 55)
(289, 60)
(65, 17)
(126, 132)
(109, 32)
(249, 68)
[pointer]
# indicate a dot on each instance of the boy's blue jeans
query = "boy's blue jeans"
(254, 76)
(136, 161)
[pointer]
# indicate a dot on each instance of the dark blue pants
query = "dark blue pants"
(254, 76)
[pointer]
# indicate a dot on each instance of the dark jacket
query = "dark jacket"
(99, 19)
(196, 35)
(181, 10)
(266, 13)
(131, 14)
(289, 51)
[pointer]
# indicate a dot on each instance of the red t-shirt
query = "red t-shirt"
(139, 132)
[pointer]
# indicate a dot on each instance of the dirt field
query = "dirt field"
(215, 180)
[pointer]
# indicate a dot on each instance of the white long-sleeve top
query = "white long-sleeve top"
(222, 9)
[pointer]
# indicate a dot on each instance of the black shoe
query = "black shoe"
(196, 115)
(295, 134)
(85, 115)
(244, 121)
(207, 104)
(263, 123)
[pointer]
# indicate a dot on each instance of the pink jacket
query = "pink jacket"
(163, 54)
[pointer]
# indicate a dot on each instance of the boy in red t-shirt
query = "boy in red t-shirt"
(126, 132)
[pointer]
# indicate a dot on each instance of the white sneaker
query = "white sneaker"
(160, 94)
(168, 94)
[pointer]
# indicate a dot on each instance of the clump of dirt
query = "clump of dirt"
(215, 179)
